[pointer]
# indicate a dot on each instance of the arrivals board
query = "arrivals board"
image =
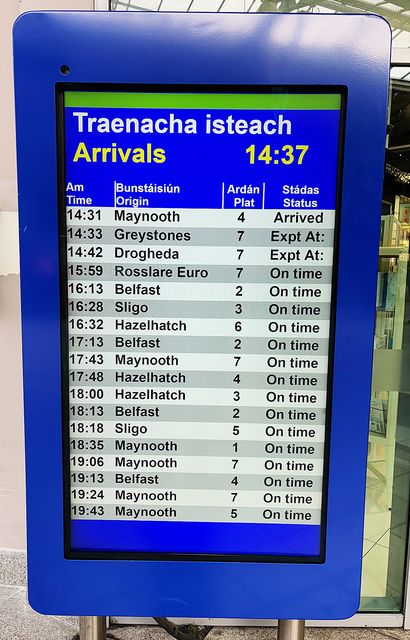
(198, 254)
(199, 216)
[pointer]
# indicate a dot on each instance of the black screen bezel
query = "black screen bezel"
(61, 88)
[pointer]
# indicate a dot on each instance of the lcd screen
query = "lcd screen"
(198, 253)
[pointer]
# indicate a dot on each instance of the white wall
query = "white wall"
(12, 501)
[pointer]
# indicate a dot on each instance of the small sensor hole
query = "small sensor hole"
(64, 70)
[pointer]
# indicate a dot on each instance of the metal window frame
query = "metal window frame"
(406, 595)
(401, 58)
(101, 5)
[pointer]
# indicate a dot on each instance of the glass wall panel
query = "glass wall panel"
(388, 471)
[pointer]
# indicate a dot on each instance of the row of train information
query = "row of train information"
(198, 257)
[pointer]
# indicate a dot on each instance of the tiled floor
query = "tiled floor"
(19, 622)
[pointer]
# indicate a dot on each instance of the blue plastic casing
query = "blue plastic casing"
(199, 49)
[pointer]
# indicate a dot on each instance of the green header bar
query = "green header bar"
(288, 101)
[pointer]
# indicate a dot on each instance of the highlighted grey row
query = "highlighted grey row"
(105, 479)
(225, 497)
(253, 431)
(176, 448)
(164, 308)
(205, 237)
(212, 273)
(268, 514)
(303, 347)
(205, 379)
(194, 413)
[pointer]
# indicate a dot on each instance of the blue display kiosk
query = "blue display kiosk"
(199, 200)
